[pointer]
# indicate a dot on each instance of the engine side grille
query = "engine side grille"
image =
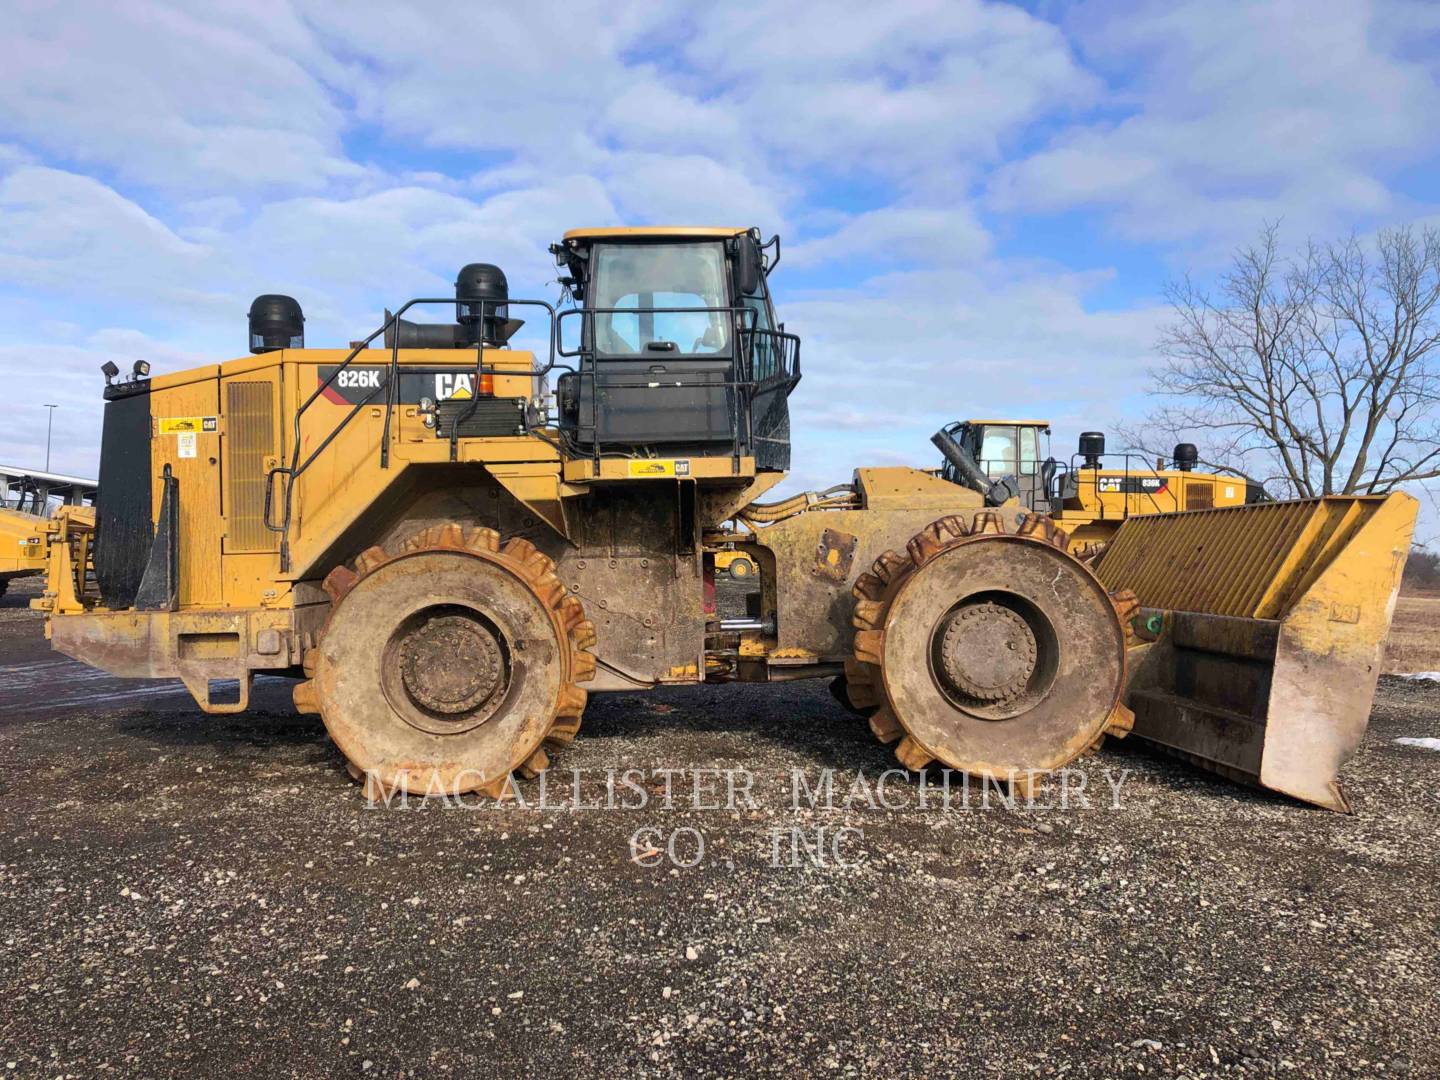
(1199, 495)
(250, 439)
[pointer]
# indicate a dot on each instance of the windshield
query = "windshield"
(997, 451)
(643, 276)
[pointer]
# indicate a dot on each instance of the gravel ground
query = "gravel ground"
(183, 893)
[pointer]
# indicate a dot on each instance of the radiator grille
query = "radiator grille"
(1199, 495)
(250, 439)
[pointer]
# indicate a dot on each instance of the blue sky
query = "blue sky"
(980, 203)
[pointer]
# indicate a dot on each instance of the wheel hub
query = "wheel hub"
(451, 664)
(987, 653)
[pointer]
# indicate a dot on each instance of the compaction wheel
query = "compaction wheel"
(991, 651)
(449, 663)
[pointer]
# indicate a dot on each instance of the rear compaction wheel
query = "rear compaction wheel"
(449, 662)
(990, 651)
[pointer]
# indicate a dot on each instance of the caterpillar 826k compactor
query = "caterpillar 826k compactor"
(450, 541)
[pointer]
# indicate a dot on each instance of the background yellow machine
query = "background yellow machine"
(27, 499)
(450, 540)
(1093, 493)
(736, 564)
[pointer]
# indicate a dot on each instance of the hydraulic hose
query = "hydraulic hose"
(836, 497)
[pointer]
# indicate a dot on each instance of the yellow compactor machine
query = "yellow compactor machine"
(1093, 493)
(27, 498)
(449, 541)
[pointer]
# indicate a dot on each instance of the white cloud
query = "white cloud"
(531, 79)
(921, 92)
(74, 236)
(685, 189)
(1237, 113)
(899, 235)
(236, 95)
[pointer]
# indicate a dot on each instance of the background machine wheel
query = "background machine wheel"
(449, 663)
(990, 651)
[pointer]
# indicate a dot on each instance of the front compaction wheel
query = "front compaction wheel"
(449, 662)
(989, 649)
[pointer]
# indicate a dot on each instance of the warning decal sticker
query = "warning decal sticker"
(659, 467)
(187, 425)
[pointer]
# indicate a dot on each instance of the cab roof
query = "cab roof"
(1019, 423)
(642, 232)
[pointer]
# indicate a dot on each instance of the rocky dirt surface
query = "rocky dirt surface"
(183, 894)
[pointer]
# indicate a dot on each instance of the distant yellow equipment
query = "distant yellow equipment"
(27, 499)
(1092, 493)
(736, 564)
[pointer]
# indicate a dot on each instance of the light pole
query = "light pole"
(49, 428)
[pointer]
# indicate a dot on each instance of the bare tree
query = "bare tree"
(1316, 375)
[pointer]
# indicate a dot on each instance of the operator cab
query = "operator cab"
(1014, 450)
(676, 344)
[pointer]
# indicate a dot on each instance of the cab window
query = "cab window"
(1029, 449)
(649, 276)
(997, 451)
(765, 353)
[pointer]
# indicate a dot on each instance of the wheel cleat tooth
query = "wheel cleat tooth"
(891, 565)
(582, 666)
(502, 787)
(571, 702)
(1043, 528)
(868, 587)
(1121, 721)
(869, 646)
(482, 539)
(339, 582)
(912, 755)
(371, 559)
(562, 733)
(548, 587)
(307, 700)
(571, 613)
(861, 695)
(583, 637)
(518, 548)
(1023, 785)
(868, 614)
(535, 764)
(883, 724)
(987, 521)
